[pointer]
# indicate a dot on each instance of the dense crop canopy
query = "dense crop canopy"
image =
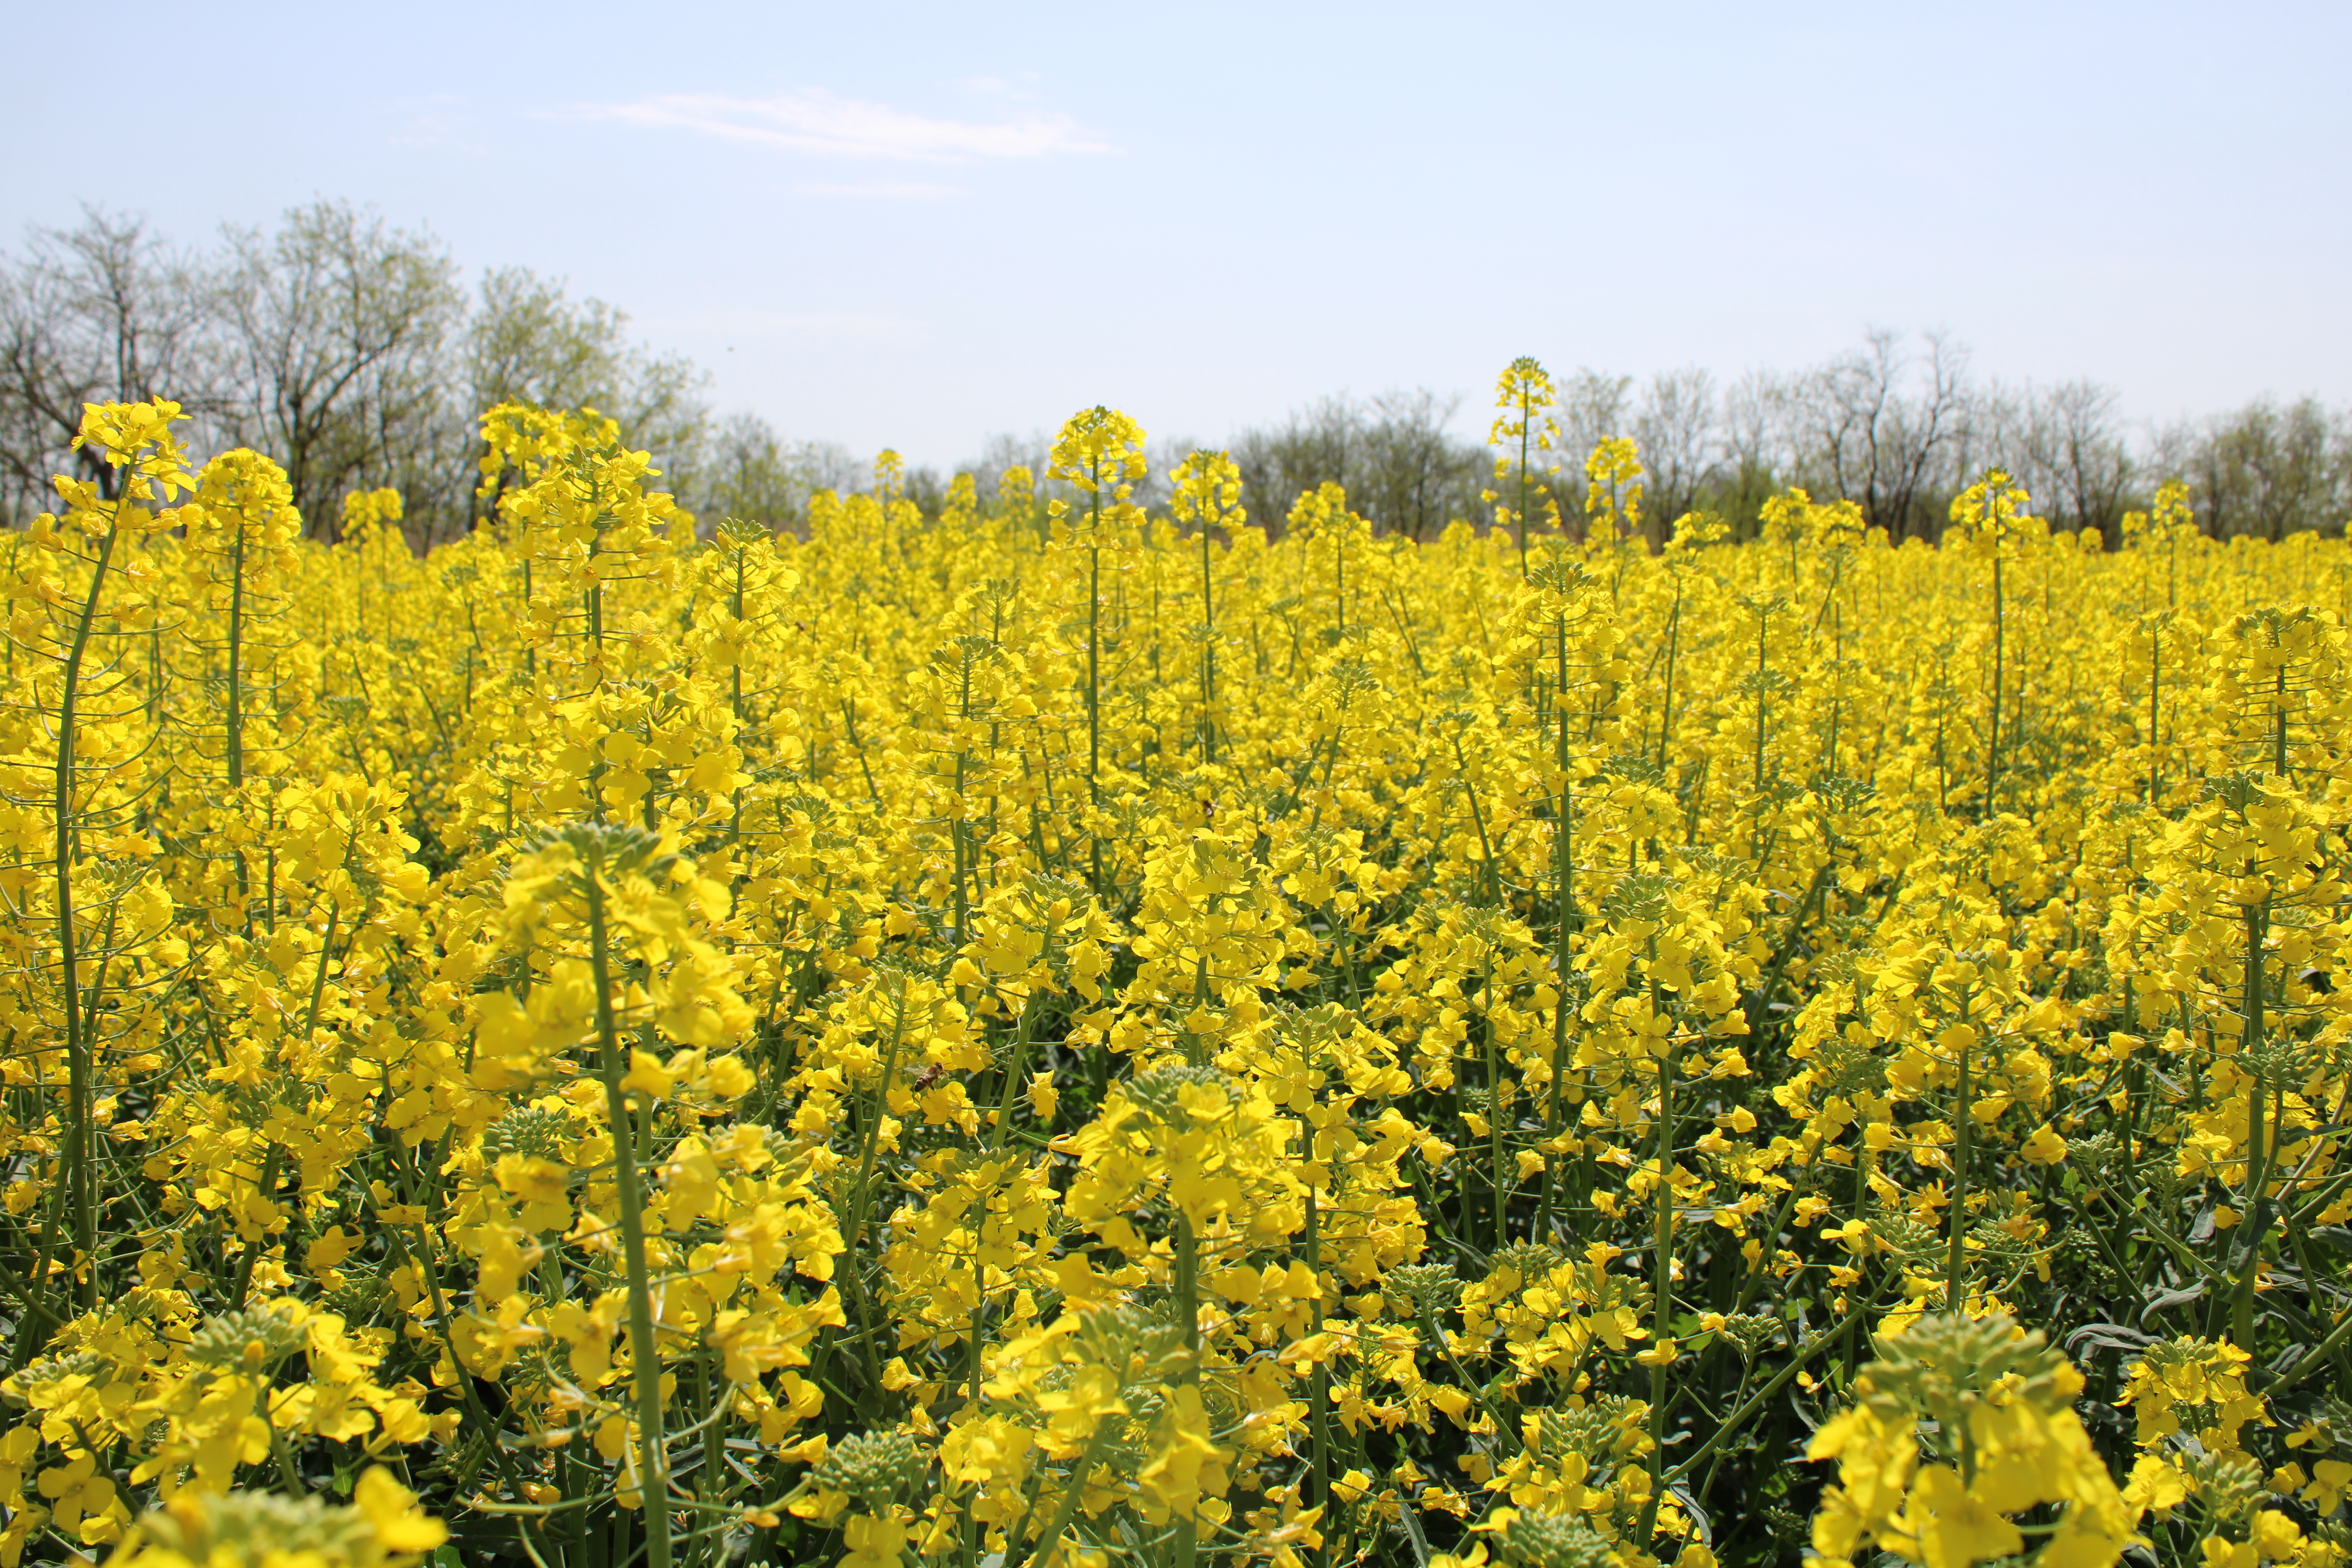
(1049, 1034)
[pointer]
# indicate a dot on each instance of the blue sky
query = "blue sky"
(918, 223)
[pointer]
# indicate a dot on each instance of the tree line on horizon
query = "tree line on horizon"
(1898, 426)
(358, 356)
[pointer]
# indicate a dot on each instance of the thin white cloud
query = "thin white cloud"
(843, 324)
(814, 121)
(756, 324)
(883, 190)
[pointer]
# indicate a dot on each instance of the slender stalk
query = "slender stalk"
(1319, 1392)
(1662, 1268)
(644, 1354)
(1012, 1077)
(264, 1187)
(234, 742)
(958, 832)
(1812, 1346)
(1527, 418)
(2318, 1353)
(1188, 1304)
(1208, 653)
(1763, 712)
(289, 1476)
(873, 1132)
(429, 1267)
(2278, 724)
(971, 1530)
(1071, 1496)
(1339, 570)
(1963, 1122)
(1564, 903)
(2258, 1158)
(735, 701)
(1094, 676)
(858, 1204)
(1496, 1109)
(1999, 651)
(1673, 645)
(1488, 872)
(80, 1066)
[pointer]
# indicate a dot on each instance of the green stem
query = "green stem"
(1963, 1122)
(858, 1204)
(2259, 1151)
(1732, 1423)
(1320, 1391)
(1188, 1304)
(1071, 1496)
(1662, 1272)
(644, 1353)
(429, 1267)
(233, 742)
(1527, 418)
(1208, 653)
(1021, 1029)
(2000, 649)
(287, 1474)
(1564, 914)
(1496, 1089)
(80, 1158)
(1674, 644)
(2308, 1362)
(1093, 678)
(265, 1186)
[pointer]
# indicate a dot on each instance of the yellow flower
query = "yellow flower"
(1185, 1463)
(2045, 1147)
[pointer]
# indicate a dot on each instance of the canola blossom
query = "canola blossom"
(1055, 1033)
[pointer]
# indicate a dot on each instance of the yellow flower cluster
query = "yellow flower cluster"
(2005, 1441)
(1045, 1031)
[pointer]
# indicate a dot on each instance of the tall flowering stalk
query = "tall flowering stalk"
(82, 601)
(1523, 431)
(1098, 450)
(1208, 493)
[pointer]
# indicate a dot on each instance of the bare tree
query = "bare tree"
(2065, 446)
(1002, 453)
(336, 325)
(1593, 407)
(101, 312)
(2268, 470)
(342, 347)
(1418, 475)
(1757, 444)
(347, 350)
(1401, 466)
(1320, 444)
(752, 473)
(1862, 432)
(1677, 428)
(528, 340)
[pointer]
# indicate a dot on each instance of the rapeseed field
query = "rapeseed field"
(1049, 1034)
